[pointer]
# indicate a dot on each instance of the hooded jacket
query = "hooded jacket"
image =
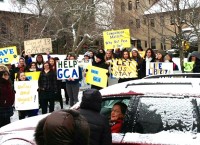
(100, 132)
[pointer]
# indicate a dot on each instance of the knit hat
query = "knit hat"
(162, 52)
(134, 49)
(91, 100)
(100, 56)
(4, 68)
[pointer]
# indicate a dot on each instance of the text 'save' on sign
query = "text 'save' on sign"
(122, 68)
(157, 68)
(116, 39)
(38, 46)
(8, 55)
(67, 69)
(97, 76)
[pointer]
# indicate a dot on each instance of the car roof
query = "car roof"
(156, 86)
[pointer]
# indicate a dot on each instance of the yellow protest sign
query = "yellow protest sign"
(122, 68)
(142, 53)
(96, 76)
(188, 66)
(116, 39)
(8, 55)
(31, 75)
(38, 46)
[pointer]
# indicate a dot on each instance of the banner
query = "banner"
(31, 75)
(97, 76)
(155, 68)
(116, 39)
(188, 66)
(38, 46)
(8, 55)
(26, 96)
(122, 68)
(67, 69)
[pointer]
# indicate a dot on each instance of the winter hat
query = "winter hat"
(134, 49)
(162, 52)
(100, 56)
(91, 100)
(4, 68)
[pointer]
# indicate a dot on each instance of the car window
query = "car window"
(108, 103)
(152, 114)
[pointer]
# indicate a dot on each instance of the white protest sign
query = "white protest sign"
(155, 68)
(38, 46)
(26, 97)
(67, 69)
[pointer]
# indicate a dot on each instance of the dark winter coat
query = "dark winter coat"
(100, 132)
(63, 127)
(196, 68)
(143, 67)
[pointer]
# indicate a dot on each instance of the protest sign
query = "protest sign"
(97, 76)
(8, 55)
(38, 46)
(116, 39)
(188, 66)
(31, 75)
(122, 68)
(155, 68)
(26, 96)
(67, 69)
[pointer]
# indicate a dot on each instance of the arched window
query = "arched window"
(123, 6)
(153, 43)
(130, 5)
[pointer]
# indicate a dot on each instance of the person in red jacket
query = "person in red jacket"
(6, 96)
(117, 115)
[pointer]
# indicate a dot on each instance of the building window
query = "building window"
(145, 21)
(23, 2)
(172, 20)
(162, 21)
(122, 6)
(3, 28)
(162, 44)
(26, 29)
(130, 5)
(130, 22)
(137, 3)
(138, 43)
(145, 44)
(153, 43)
(152, 23)
(137, 23)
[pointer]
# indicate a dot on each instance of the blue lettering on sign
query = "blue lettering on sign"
(94, 72)
(74, 73)
(96, 79)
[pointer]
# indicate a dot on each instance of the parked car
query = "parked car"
(161, 111)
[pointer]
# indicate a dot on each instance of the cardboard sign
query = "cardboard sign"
(8, 55)
(116, 39)
(122, 68)
(31, 75)
(97, 76)
(188, 66)
(38, 46)
(155, 68)
(26, 97)
(67, 69)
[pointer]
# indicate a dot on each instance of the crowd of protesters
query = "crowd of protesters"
(50, 87)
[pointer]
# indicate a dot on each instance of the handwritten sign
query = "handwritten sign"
(8, 55)
(188, 66)
(116, 39)
(26, 97)
(97, 76)
(38, 46)
(155, 68)
(67, 69)
(122, 68)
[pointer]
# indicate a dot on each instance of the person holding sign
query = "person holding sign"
(148, 57)
(23, 113)
(47, 88)
(72, 85)
(195, 57)
(160, 56)
(168, 58)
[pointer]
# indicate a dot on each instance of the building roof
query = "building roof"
(168, 5)
(15, 6)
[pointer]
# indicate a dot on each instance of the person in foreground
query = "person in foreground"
(63, 127)
(100, 133)
(117, 115)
